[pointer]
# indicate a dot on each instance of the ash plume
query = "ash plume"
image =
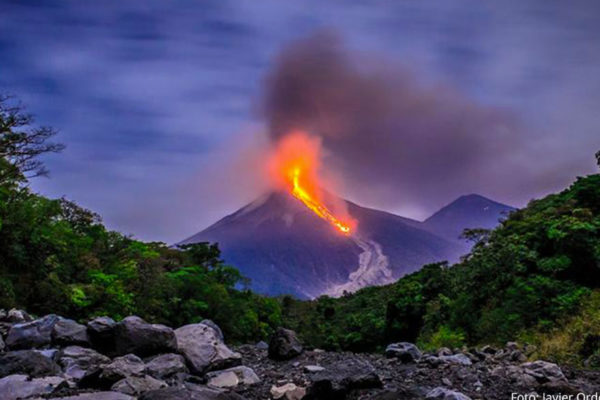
(395, 141)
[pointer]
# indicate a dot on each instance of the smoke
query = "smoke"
(397, 142)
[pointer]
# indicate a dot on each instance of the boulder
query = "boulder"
(15, 316)
(32, 334)
(488, 350)
(78, 361)
(122, 367)
(135, 385)
(339, 378)
(134, 335)
(48, 353)
(97, 396)
(289, 391)
(404, 351)
(311, 369)
(232, 377)
(166, 365)
(68, 332)
(101, 333)
(284, 345)
(262, 345)
(459, 358)
(544, 371)
(195, 392)
(27, 362)
(203, 350)
(218, 330)
(15, 387)
(443, 393)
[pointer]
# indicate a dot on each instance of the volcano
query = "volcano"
(285, 248)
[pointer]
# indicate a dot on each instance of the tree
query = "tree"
(598, 157)
(21, 143)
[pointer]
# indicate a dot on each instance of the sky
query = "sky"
(166, 107)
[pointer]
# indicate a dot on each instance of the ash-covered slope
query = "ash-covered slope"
(284, 248)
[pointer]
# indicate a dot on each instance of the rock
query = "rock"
(431, 361)
(15, 316)
(488, 350)
(48, 353)
(122, 367)
(511, 346)
(203, 350)
(262, 345)
(446, 382)
(68, 332)
(444, 351)
(445, 394)
(341, 377)
(544, 371)
(97, 396)
(27, 335)
(289, 391)
(404, 351)
(216, 328)
(134, 335)
(101, 334)
(14, 387)
(456, 359)
(311, 369)
(78, 361)
(284, 345)
(166, 365)
(134, 385)
(232, 377)
(2, 345)
(27, 362)
(195, 392)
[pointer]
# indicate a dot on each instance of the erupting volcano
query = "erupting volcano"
(294, 165)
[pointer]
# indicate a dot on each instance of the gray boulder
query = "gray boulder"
(442, 393)
(15, 316)
(101, 333)
(123, 367)
(134, 335)
(32, 334)
(262, 345)
(190, 392)
(27, 362)
(339, 378)
(15, 387)
(459, 358)
(68, 332)
(404, 351)
(78, 361)
(166, 365)
(203, 350)
(544, 371)
(232, 377)
(135, 385)
(97, 396)
(218, 330)
(284, 345)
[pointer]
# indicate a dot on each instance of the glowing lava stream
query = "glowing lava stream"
(314, 205)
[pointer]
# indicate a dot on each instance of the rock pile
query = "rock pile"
(56, 358)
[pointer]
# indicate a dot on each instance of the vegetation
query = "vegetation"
(56, 257)
(522, 279)
(535, 277)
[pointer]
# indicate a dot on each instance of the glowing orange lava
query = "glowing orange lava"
(294, 165)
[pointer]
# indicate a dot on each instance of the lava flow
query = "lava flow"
(294, 165)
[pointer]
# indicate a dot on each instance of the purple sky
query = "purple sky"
(158, 103)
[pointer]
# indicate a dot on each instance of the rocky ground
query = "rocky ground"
(54, 357)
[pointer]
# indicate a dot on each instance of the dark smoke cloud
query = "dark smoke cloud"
(396, 142)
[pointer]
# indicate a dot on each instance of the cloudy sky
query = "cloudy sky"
(164, 107)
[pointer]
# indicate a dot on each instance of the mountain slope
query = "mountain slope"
(470, 211)
(284, 248)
